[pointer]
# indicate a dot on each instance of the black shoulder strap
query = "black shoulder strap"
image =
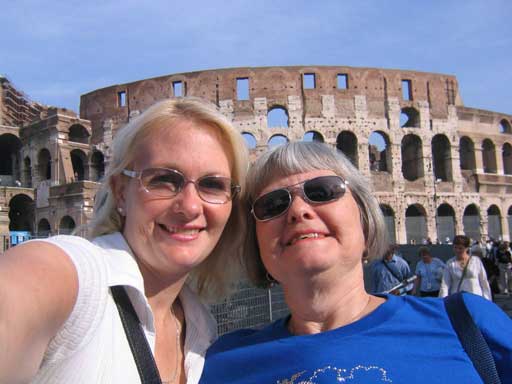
(141, 351)
(471, 338)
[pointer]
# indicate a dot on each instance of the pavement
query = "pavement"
(504, 302)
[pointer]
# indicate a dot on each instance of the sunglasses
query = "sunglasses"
(167, 183)
(319, 190)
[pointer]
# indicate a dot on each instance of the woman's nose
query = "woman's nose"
(299, 210)
(188, 202)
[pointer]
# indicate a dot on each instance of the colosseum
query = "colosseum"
(437, 167)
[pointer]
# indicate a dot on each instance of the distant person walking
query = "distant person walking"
(429, 271)
(389, 272)
(504, 259)
(464, 272)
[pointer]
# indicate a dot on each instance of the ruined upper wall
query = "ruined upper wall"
(16, 109)
(277, 85)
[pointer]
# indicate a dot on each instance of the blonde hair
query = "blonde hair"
(299, 157)
(211, 278)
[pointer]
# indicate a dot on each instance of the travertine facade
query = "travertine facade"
(409, 132)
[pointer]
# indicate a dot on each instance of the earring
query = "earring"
(120, 211)
(270, 280)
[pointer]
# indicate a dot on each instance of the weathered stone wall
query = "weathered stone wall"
(373, 101)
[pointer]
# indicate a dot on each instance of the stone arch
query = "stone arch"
(409, 118)
(78, 160)
(467, 154)
(43, 228)
(78, 134)
(489, 156)
(412, 157)
(416, 224)
(471, 222)
(505, 126)
(389, 220)
(277, 117)
(97, 166)
(379, 152)
(445, 222)
(494, 229)
(277, 140)
(250, 140)
(27, 172)
(313, 136)
(66, 225)
(442, 158)
(21, 213)
(507, 158)
(10, 147)
(346, 142)
(509, 219)
(44, 164)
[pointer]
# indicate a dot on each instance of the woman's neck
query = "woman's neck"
(318, 307)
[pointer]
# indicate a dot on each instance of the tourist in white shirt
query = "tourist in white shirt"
(464, 272)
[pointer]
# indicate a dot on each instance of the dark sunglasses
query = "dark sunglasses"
(319, 190)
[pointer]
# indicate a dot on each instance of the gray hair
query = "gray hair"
(211, 278)
(300, 157)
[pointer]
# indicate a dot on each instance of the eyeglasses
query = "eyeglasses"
(165, 182)
(319, 190)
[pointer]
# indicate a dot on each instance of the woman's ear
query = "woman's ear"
(118, 184)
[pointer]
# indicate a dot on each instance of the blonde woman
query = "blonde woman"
(167, 222)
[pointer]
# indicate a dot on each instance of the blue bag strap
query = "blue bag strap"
(471, 338)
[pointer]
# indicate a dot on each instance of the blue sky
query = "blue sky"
(55, 51)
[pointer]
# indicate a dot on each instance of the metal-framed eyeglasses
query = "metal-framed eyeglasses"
(167, 183)
(319, 190)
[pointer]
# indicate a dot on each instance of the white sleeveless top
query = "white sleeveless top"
(92, 347)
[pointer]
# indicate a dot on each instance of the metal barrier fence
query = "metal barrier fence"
(249, 308)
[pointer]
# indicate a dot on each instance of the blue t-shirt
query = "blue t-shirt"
(405, 340)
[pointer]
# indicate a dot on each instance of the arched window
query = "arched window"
(409, 118)
(67, 225)
(43, 228)
(412, 157)
(277, 117)
(494, 222)
(21, 213)
(442, 158)
(78, 134)
(277, 140)
(97, 166)
(507, 159)
(467, 154)
(389, 220)
(379, 153)
(10, 147)
(78, 160)
(250, 140)
(347, 144)
(313, 136)
(445, 222)
(505, 127)
(489, 156)
(471, 222)
(415, 224)
(27, 172)
(44, 164)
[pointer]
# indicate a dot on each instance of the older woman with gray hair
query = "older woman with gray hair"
(313, 220)
(125, 306)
